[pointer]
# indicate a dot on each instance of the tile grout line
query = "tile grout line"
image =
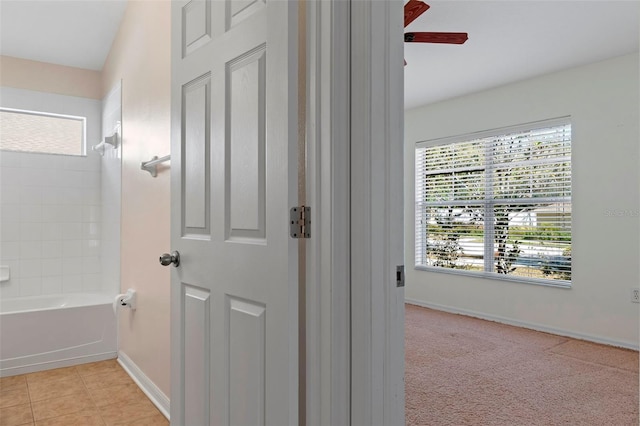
(33, 415)
(77, 372)
(98, 412)
(98, 409)
(66, 413)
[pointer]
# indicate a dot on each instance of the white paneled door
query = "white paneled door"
(234, 177)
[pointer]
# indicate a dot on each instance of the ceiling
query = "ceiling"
(509, 40)
(513, 40)
(75, 33)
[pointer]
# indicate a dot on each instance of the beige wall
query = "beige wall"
(50, 78)
(140, 56)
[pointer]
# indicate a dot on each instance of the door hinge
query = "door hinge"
(400, 276)
(300, 222)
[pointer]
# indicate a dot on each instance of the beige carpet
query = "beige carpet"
(466, 371)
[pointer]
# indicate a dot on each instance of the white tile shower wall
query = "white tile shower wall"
(111, 192)
(50, 207)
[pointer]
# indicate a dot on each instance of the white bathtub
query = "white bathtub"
(43, 332)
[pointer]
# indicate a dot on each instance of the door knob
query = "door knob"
(167, 259)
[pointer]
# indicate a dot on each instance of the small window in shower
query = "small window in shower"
(31, 131)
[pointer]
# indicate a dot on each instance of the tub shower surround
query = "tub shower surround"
(56, 308)
(50, 207)
(49, 224)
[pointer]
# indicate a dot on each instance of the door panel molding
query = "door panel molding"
(238, 10)
(196, 25)
(196, 166)
(196, 333)
(246, 147)
(246, 342)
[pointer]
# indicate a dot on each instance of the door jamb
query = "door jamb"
(327, 275)
(355, 313)
(377, 111)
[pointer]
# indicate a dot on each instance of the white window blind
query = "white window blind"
(30, 131)
(497, 203)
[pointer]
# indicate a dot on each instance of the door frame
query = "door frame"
(355, 312)
(327, 176)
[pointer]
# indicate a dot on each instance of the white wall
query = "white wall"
(111, 190)
(50, 231)
(603, 102)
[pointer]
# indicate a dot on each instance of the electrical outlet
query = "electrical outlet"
(635, 295)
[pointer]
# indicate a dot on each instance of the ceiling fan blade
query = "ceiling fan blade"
(435, 37)
(413, 9)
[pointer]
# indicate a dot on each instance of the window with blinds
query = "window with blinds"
(29, 131)
(497, 203)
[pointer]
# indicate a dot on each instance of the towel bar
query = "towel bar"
(109, 140)
(152, 165)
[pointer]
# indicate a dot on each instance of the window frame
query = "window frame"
(83, 150)
(488, 201)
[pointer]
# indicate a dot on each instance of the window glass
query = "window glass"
(29, 131)
(497, 205)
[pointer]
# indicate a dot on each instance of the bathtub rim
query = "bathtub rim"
(71, 300)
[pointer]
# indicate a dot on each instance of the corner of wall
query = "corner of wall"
(140, 59)
(602, 99)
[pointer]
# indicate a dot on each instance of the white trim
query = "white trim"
(69, 362)
(377, 306)
(45, 114)
(524, 324)
(327, 188)
(565, 285)
(159, 399)
(482, 134)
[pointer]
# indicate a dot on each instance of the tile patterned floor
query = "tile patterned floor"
(100, 393)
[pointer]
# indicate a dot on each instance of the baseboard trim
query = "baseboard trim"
(149, 388)
(524, 324)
